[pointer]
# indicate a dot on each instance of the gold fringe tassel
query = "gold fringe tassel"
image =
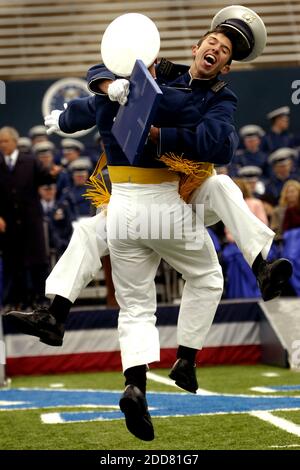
(192, 173)
(97, 191)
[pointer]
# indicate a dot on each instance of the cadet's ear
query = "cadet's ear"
(194, 50)
(225, 69)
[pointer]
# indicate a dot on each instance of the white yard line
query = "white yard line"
(280, 423)
(284, 447)
(51, 418)
(10, 403)
(166, 381)
(270, 374)
(262, 390)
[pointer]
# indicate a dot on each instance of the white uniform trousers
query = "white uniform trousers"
(81, 260)
(134, 264)
(223, 200)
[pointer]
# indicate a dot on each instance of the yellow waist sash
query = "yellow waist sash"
(137, 175)
(190, 175)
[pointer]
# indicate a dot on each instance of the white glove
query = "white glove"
(52, 120)
(119, 90)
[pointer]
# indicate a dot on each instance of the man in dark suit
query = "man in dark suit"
(21, 222)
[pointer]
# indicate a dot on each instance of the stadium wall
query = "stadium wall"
(91, 341)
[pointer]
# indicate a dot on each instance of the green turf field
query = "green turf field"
(24, 429)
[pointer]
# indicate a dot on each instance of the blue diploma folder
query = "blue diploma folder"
(133, 121)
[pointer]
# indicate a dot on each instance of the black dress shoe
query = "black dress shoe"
(138, 420)
(272, 277)
(40, 323)
(184, 374)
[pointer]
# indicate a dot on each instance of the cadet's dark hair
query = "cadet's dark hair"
(219, 30)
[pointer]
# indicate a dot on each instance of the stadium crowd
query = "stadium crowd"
(266, 167)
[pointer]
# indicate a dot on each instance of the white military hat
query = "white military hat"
(282, 154)
(81, 164)
(127, 38)
(35, 131)
(72, 144)
(283, 111)
(246, 31)
(42, 147)
(251, 129)
(24, 142)
(250, 171)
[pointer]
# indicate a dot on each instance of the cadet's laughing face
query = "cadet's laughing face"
(211, 56)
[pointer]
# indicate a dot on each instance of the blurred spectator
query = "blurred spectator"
(58, 222)
(71, 149)
(240, 280)
(21, 223)
(292, 214)
(278, 136)
(255, 205)
(252, 155)
(44, 152)
(24, 145)
(282, 164)
(269, 204)
(80, 207)
(251, 175)
(289, 198)
(38, 134)
(297, 143)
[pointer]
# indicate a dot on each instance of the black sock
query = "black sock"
(189, 354)
(257, 263)
(136, 376)
(60, 308)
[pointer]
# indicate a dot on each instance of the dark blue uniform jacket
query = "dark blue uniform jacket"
(196, 119)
